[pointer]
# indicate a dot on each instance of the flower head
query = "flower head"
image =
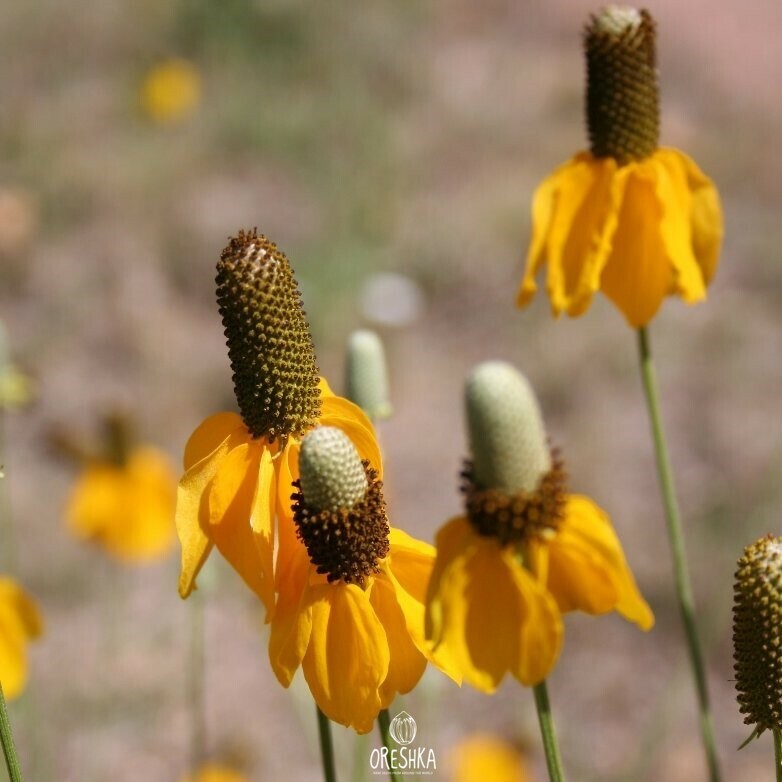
(350, 609)
(124, 499)
(239, 468)
(214, 773)
(171, 91)
(757, 634)
(634, 220)
(20, 622)
(525, 551)
(486, 757)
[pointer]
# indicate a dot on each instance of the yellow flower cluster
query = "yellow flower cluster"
(20, 622)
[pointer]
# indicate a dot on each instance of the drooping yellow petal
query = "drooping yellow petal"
(706, 222)
(587, 544)
(493, 616)
(409, 567)
(264, 507)
(230, 497)
(207, 437)
(325, 388)
(288, 544)
(406, 662)
(638, 274)
(581, 231)
(214, 773)
(348, 655)
(192, 509)
(291, 624)
(675, 199)
(352, 420)
(20, 622)
(94, 499)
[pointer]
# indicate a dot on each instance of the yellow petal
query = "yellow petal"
(325, 388)
(20, 622)
(288, 544)
(232, 492)
(488, 758)
(95, 500)
(214, 773)
(291, 624)
(587, 542)
(192, 504)
(639, 274)
(706, 222)
(352, 420)
(264, 507)
(406, 662)
(208, 436)
(409, 567)
(581, 231)
(494, 616)
(348, 656)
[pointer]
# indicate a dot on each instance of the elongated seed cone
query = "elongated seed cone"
(507, 435)
(757, 633)
(622, 92)
(366, 376)
(269, 342)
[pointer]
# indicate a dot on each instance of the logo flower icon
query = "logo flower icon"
(402, 728)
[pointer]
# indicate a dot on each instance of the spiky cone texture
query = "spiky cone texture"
(366, 374)
(622, 92)
(269, 343)
(525, 551)
(350, 610)
(633, 220)
(757, 634)
(239, 469)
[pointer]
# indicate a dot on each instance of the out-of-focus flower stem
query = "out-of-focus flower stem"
(778, 754)
(326, 747)
(384, 724)
(676, 539)
(196, 682)
(9, 750)
(550, 746)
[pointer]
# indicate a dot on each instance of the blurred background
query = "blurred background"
(391, 150)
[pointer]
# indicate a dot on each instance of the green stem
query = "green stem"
(384, 723)
(196, 683)
(778, 754)
(676, 539)
(546, 720)
(6, 739)
(326, 747)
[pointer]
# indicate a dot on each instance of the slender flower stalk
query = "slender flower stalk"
(550, 745)
(778, 754)
(7, 740)
(384, 725)
(326, 747)
(676, 538)
(196, 683)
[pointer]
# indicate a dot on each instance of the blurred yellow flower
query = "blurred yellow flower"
(215, 773)
(350, 609)
(239, 468)
(128, 508)
(486, 758)
(170, 91)
(633, 220)
(525, 551)
(20, 622)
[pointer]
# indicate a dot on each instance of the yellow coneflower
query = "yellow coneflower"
(170, 91)
(124, 500)
(351, 603)
(239, 468)
(525, 550)
(215, 773)
(485, 757)
(20, 622)
(634, 220)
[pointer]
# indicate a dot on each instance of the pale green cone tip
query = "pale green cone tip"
(332, 475)
(507, 436)
(366, 374)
